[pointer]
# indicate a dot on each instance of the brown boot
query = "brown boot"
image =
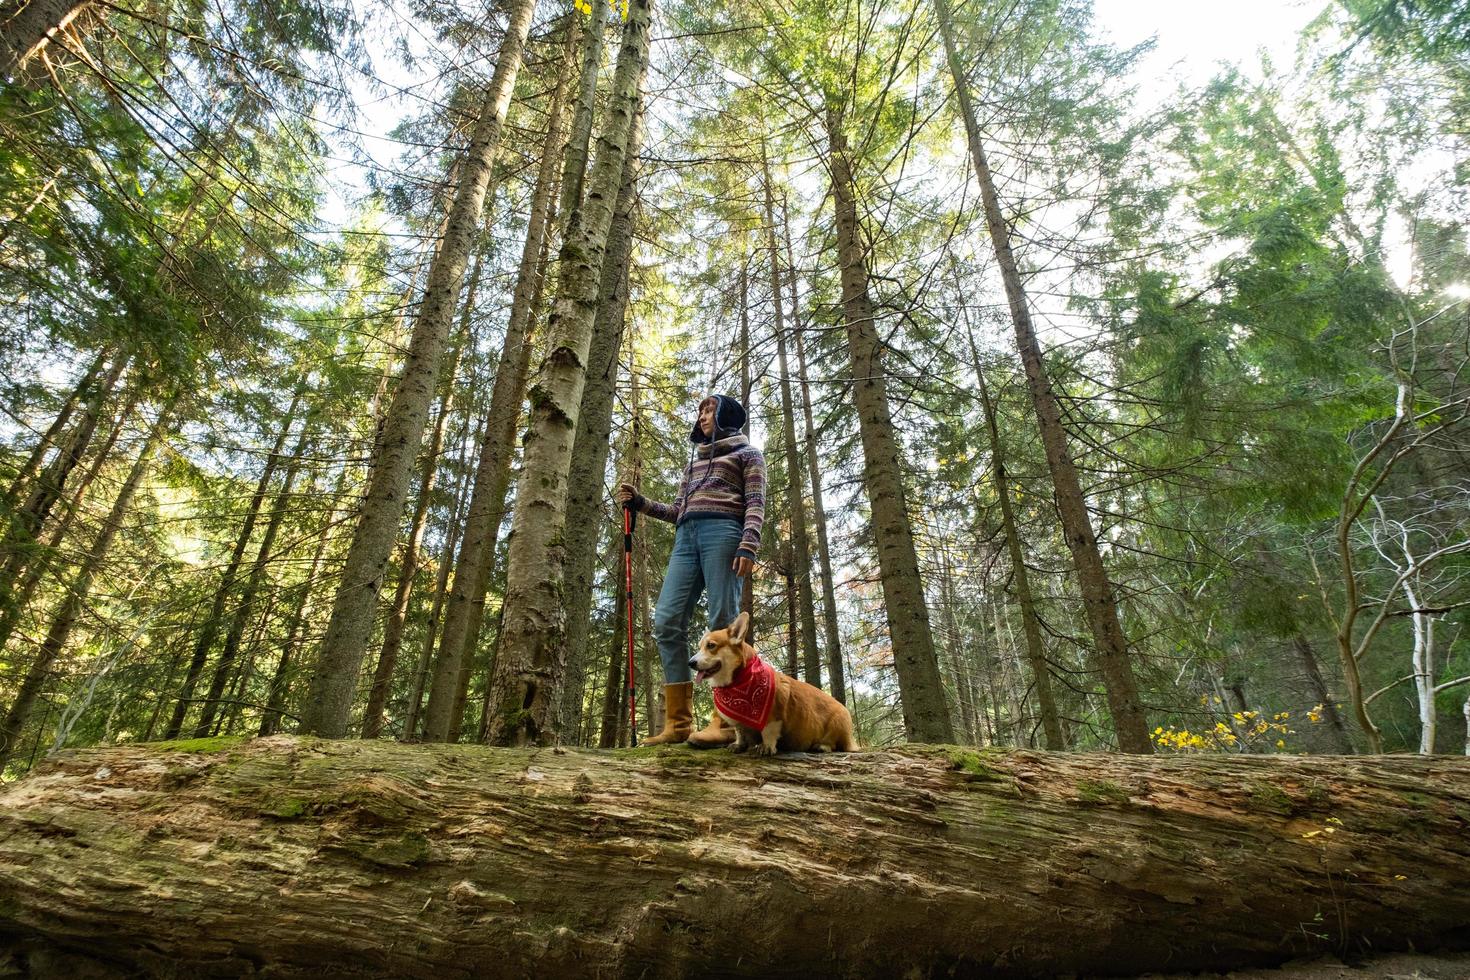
(713, 735)
(678, 715)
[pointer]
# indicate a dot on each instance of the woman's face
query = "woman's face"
(707, 417)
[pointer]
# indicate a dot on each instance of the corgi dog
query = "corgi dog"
(768, 709)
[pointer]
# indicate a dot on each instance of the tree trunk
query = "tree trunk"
(29, 519)
(1129, 720)
(50, 437)
(835, 672)
(811, 657)
(1051, 724)
(454, 525)
(462, 685)
(747, 586)
(532, 648)
(382, 859)
(579, 137)
(957, 657)
(211, 624)
(793, 644)
(275, 705)
(925, 716)
(372, 720)
(585, 492)
(474, 567)
(334, 682)
(252, 584)
(76, 594)
(1342, 744)
(28, 26)
(30, 568)
(230, 719)
(614, 705)
(639, 609)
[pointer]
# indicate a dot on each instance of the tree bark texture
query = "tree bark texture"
(532, 647)
(1129, 721)
(373, 716)
(339, 659)
(585, 490)
(462, 688)
(925, 717)
(27, 26)
(292, 857)
(473, 568)
(579, 136)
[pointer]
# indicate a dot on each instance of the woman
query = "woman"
(718, 515)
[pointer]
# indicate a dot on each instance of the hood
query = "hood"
(729, 419)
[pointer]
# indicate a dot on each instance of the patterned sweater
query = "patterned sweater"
(726, 479)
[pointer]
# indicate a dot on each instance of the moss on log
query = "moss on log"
(287, 857)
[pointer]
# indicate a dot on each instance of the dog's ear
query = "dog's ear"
(740, 629)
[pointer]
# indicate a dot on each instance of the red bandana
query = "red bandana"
(750, 697)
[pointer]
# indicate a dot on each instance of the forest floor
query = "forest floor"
(1396, 966)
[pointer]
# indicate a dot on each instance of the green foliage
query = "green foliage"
(1224, 284)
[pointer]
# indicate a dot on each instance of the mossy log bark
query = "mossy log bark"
(289, 857)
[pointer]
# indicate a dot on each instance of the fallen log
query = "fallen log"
(287, 857)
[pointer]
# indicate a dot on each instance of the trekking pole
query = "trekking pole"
(630, 521)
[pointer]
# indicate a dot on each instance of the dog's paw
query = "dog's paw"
(764, 749)
(738, 748)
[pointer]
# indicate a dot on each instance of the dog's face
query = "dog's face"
(722, 652)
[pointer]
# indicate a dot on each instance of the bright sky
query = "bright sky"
(1194, 36)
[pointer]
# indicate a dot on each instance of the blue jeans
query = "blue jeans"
(704, 550)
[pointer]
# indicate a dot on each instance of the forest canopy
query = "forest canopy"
(1097, 411)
